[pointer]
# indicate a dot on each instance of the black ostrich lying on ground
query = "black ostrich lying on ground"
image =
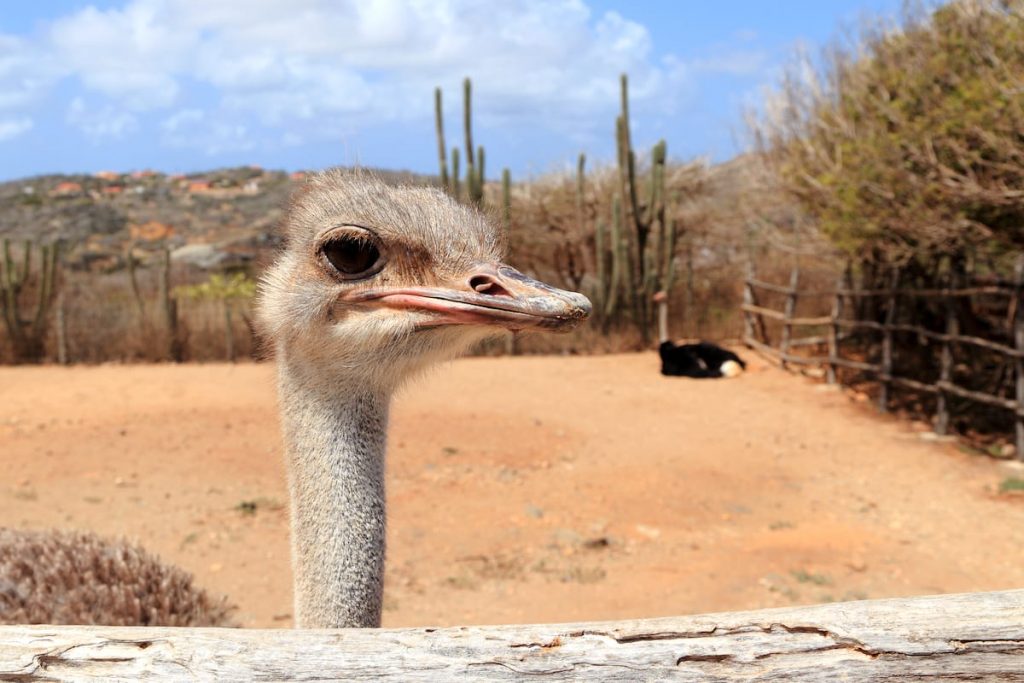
(701, 360)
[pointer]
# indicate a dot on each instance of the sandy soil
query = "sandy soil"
(526, 489)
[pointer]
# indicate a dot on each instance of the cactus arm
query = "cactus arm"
(455, 172)
(45, 286)
(618, 256)
(26, 265)
(467, 122)
(441, 148)
(478, 193)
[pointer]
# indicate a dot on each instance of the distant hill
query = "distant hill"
(213, 219)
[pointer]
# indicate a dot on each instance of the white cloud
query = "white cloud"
(12, 128)
(105, 122)
(734, 63)
(134, 55)
(26, 72)
(182, 120)
(366, 61)
(288, 70)
(192, 128)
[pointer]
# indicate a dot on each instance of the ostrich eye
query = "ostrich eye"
(351, 255)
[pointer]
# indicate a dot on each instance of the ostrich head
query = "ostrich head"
(377, 281)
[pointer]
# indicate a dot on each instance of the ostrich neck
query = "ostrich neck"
(335, 436)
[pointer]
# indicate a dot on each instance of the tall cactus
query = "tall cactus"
(454, 188)
(651, 235)
(477, 195)
(474, 157)
(601, 285)
(618, 248)
(467, 123)
(27, 332)
(511, 345)
(442, 149)
(474, 168)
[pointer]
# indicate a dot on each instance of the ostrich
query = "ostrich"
(375, 284)
(701, 360)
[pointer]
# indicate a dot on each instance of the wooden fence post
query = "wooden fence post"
(1018, 343)
(170, 309)
(788, 311)
(946, 364)
(62, 329)
(833, 332)
(753, 323)
(885, 376)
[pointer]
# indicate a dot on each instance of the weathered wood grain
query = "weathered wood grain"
(976, 636)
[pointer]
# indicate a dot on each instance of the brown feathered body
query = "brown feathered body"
(62, 577)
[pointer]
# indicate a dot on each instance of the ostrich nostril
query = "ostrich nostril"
(485, 284)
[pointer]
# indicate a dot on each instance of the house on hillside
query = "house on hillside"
(66, 189)
(107, 175)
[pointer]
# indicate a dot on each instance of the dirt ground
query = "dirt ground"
(526, 489)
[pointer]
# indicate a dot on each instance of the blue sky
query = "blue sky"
(186, 85)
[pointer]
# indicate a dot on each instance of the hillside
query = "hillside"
(213, 219)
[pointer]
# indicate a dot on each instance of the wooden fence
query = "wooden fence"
(975, 636)
(840, 326)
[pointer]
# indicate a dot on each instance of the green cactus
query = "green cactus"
(467, 122)
(478, 177)
(666, 270)
(475, 175)
(600, 289)
(650, 237)
(474, 169)
(454, 189)
(27, 334)
(618, 254)
(441, 147)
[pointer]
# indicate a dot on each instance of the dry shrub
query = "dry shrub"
(908, 146)
(63, 577)
(104, 323)
(904, 150)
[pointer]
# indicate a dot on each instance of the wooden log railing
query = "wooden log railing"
(973, 636)
(943, 387)
(998, 290)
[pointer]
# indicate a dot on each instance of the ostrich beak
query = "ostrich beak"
(489, 294)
